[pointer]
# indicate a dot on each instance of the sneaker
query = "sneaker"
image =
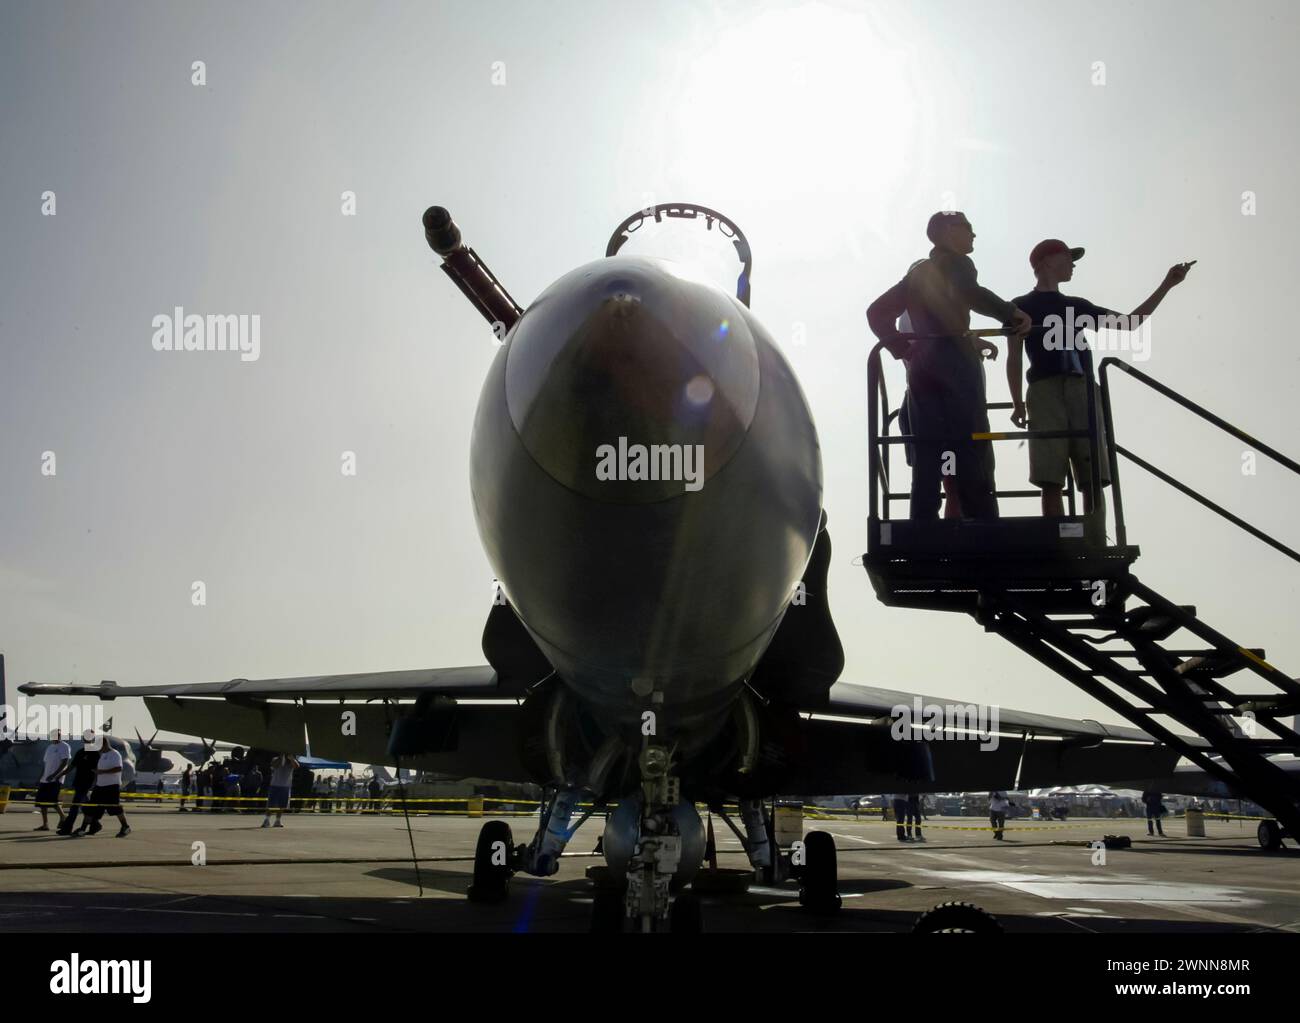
(126, 830)
(266, 823)
(95, 828)
(920, 838)
(278, 824)
(41, 827)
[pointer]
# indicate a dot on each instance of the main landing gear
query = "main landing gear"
(819, 875)
(1270, 835)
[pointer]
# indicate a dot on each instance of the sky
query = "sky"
(828, 132)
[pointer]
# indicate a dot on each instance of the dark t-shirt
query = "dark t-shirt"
(84, 762)
(1059, 347)
(941, 292)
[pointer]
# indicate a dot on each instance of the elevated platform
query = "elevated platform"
(1057, 589)
(1053, 564)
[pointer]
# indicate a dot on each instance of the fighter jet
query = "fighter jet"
(646, 481)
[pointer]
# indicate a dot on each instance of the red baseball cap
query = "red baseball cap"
(1050, 247)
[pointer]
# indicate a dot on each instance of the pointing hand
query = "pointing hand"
(1178, 273)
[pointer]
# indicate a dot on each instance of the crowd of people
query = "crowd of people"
(910, 811)
(230, 785)
(94, 774)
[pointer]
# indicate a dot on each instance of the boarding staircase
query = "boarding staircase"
(1061, 591)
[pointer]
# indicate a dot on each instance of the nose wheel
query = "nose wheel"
(493, 858)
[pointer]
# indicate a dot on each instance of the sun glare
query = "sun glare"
(801, 103)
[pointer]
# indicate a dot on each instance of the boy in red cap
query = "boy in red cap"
(1060, 368)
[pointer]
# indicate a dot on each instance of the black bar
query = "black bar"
(1208, 416)
(905, 495)
(1257, 533)
(1094, 449)
(1121, 534)
(873, 409)
(911, 438)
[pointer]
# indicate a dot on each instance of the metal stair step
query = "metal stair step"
(1216, 663)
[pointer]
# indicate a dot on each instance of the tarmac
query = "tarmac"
(199, 872)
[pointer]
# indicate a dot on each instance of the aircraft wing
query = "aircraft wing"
(850, 748)
(870, 702)
(457, 682)
(472, 740)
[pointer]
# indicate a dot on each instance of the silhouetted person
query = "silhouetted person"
(914, 817)
(1060, 369)
(999, 804)
(187, 778)
(217, 787)
(945, 381)
(82, 770)
(250, 786)
(899, 805)
(1155, 807)
(302, 789)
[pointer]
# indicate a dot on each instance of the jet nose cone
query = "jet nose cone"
(623, 373)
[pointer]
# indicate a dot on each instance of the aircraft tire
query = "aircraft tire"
(1270, 835)
(819, 879)
(491, 880)
(956, 918)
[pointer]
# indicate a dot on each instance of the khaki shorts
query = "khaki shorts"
(1061, 403)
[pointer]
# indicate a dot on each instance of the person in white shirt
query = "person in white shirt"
(57, 758)
(277, 796)
(106, 797)
(999, 804)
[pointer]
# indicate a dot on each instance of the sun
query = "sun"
(811, 103)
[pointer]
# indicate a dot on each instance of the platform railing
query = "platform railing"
(880, 442)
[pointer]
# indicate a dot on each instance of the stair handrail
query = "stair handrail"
(1115, 449)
